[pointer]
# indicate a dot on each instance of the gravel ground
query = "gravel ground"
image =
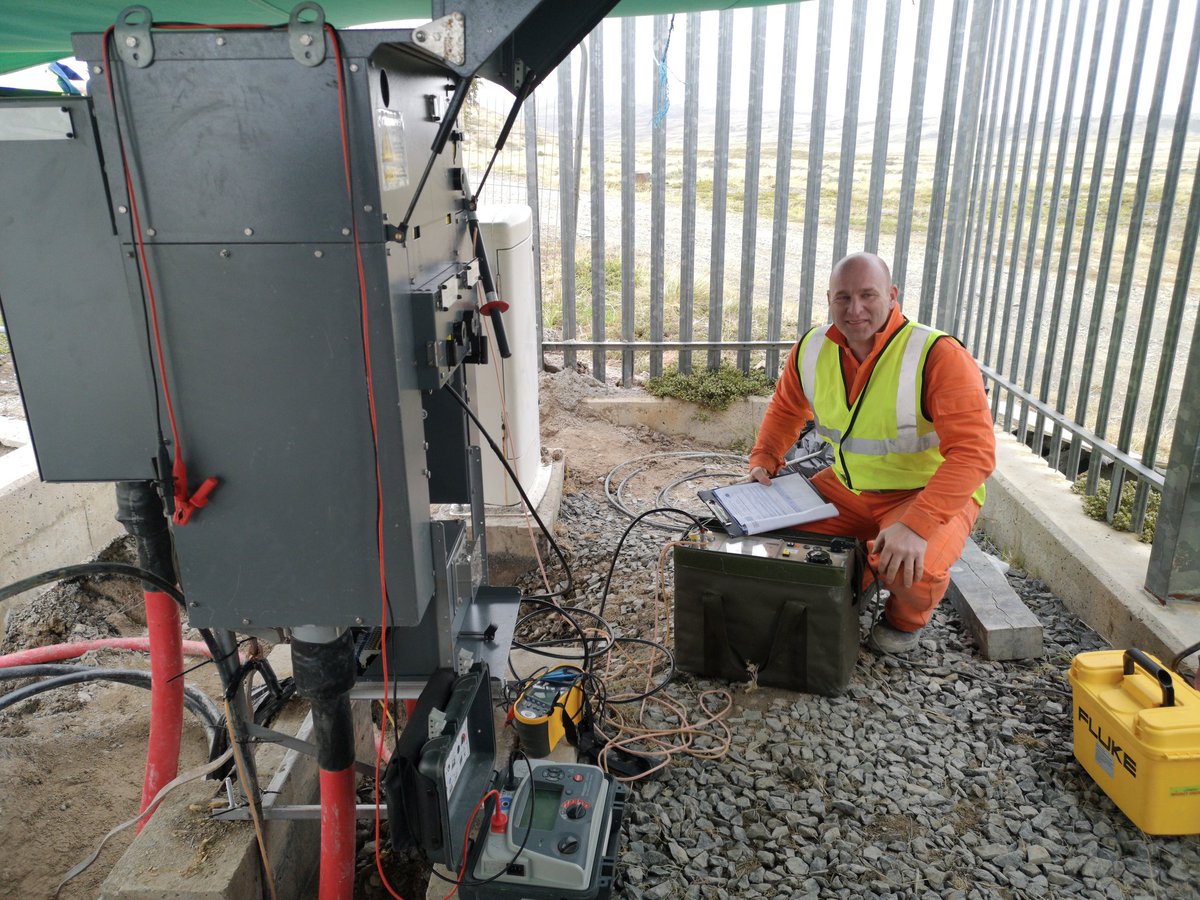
(948, 777)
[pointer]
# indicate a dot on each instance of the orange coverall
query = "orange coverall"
(943, 512)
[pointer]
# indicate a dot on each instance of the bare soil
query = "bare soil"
(72, 760)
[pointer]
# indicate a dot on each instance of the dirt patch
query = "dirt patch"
(10, 399)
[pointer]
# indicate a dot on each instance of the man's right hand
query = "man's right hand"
(759, 474)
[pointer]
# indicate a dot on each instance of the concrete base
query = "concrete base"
(735, 428)
(184, 854)
(508, 527)
(1000, 622)
(43, 526)
(1099, 573)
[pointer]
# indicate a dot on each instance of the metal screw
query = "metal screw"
(346, 231)
(318, 253)
(420, 36)
(96, 70)
(353, 67)
(220, 42)
(193, 604)
(245, 621)
(224, 254)
(122, 210)
(426, 445)
(426, 473)
(368, 208)
(248, 232)
(151, 232)
(358, 620)
(306, 39)
(131, 41)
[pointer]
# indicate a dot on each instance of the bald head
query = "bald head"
(861, 297)
(863, 259)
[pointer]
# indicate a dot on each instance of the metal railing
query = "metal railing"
(996, 179)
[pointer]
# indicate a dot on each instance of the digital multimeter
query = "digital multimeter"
(538, 713)
(568, 817)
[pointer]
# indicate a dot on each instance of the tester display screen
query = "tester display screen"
(543, 809)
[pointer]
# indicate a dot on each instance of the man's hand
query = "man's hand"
(901, 553)
(759, 474)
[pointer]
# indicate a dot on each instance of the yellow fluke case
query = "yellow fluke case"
(538, 714)
(1137, 733)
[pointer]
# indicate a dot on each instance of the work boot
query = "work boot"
(890, 639)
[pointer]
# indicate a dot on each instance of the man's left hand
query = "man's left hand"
(901, 553)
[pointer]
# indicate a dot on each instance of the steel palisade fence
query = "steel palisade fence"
(1027, 196)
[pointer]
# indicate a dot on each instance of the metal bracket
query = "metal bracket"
(135, 46)
(261, 733)
(445, 38)
(307, 38)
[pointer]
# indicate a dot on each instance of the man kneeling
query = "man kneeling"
(904, 408)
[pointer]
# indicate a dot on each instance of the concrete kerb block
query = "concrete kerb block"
(1000, 622)
(508, 528)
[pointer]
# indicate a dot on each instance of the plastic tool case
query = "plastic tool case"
(1137, 733)
(779, 608)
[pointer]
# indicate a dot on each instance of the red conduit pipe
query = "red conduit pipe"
(166, 695)
(338, 808)
(75, 649)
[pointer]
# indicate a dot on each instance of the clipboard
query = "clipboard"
(752, 508)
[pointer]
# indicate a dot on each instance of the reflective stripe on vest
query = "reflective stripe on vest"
(898, 456)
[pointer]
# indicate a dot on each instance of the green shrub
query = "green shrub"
(1096, 505)
(710, 388)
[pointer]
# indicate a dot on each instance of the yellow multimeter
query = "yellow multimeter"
(541, 711)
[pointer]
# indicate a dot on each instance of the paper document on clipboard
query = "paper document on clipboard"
(752, 508)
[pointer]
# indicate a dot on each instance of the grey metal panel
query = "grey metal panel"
(816, 160)
(758, 49)
(716, 274)
(841, 222)
(941, 163)
(912, 145)
(628, 210)
(950, 300)
(48, 122)
(566, 206)
(883, 126)
(1110, 234)
(687, 229)
(596, 176)
(68, 308)
(783, 182)
(658, 197)
(264, 351)
(1175, 533)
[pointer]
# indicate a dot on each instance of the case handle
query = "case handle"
(1155, 670)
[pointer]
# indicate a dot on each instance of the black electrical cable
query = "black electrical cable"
(616, 553)
(566, 591)
(113, 569)
(59, 675)
(567, 612)
(1181, 656)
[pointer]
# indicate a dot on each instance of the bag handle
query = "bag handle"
(1155, 670)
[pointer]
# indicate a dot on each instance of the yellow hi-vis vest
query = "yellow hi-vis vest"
(883, 442)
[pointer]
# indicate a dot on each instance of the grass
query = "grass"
(1096, 506)
(711, 388)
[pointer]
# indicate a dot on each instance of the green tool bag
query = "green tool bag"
(777, 609)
